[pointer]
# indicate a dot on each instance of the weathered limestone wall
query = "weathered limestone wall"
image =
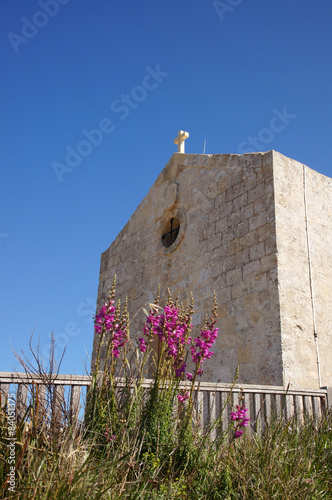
(298, 345)
(226, 243)
(243, 233)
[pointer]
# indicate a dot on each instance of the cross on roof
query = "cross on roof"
(179, 140)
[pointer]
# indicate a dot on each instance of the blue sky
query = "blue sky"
(92, 97)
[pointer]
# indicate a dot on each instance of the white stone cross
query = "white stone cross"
(179, 140)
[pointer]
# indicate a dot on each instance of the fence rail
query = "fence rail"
(263, 402)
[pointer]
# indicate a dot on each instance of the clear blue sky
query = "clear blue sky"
(138, 72)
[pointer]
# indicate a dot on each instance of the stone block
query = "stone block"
(247, 211)
(233, 276)
(250, 182)
(222, 185)
(222, 225)
(242, 258)
(257, 251)
(239, 290)
(241, 229)
(257, 221)
(252, 269)
(268, 262)
(234, 191)
(256, 193)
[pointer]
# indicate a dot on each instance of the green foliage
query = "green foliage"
(157, 424)
(287, 462)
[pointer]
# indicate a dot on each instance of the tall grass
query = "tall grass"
(286, 463)
(145, 443)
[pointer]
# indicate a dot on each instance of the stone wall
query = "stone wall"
(242, 234)
(293, 234)
(226, 243)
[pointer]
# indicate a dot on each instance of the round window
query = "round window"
(170, 232)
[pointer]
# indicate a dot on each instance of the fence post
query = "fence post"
(258, 413)
(200, 414)
(21, 400)
(57, 406)
(328, 397)
(74, 407)
(223, 403)
(212, 413)
(316, 408)
(248, 406)
(268, 409)
(289, 406)
(4, 391)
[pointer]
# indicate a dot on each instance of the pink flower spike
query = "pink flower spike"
(184, 397)
(241, 418)
(180, 371)
(238, 434)
(142, 344)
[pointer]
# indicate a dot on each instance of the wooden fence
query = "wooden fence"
(65, 396)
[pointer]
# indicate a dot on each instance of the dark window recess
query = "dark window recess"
(171, 232)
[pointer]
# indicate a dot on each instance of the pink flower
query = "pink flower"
(142, 344)
(184, 397)
(105, 323)
(109, 438)
(171, 331)
(203, 343)
(238, 434)
(180, 371)
(241, 418)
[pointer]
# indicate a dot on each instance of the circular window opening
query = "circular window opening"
(170, 232)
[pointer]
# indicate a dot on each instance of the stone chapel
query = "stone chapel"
(256, 228)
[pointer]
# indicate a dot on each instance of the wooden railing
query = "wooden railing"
(65, 394)
(263, 403)
(60, 397)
